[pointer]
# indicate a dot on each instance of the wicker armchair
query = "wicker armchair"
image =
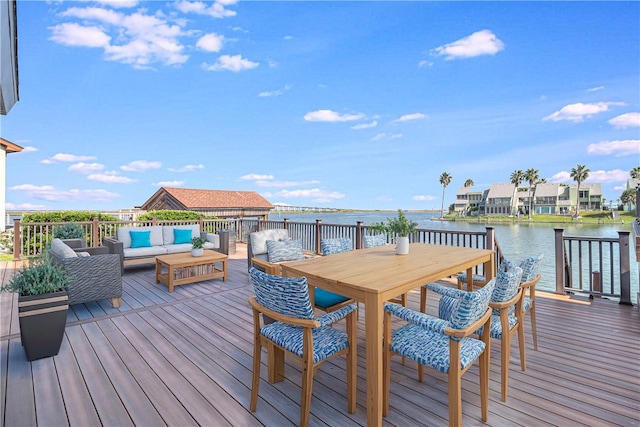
(94, 277)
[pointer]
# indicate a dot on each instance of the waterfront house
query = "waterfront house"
(220, 203)
(506, 199)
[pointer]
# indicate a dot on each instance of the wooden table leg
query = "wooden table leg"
(170, 277)
(373, 325)
(470, 279)
(224, 269)
(158, 270)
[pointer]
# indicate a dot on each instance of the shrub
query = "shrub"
(41, 276)
(171, 215)
(70, 230)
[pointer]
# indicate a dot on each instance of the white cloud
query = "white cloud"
(365, 125)
(424, 198)
(425, 63)
(380, 136)
(24, 206)
(29, 149)
(331, 116)
(577, 112)
(137, 39)
(616, 175)
(85, 167)
(168, 184)
(287, 38)
(617, 148)
(627, 120)
(255, 177)
(47, 192)
(211, 42)
(235, 63)
(315, 194)
(409, 117)
(216, 9)
(479, 43)
(595, 89)
(281, 184)
(111, 178)
(187, 168)
(140, 165)
(118, 3)
(72, 34)
(62, 157)
(275, 92)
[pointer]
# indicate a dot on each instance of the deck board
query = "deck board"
(185, 358)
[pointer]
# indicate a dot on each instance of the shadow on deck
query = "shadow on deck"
(185, 359)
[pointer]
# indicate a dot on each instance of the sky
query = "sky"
(347, 104)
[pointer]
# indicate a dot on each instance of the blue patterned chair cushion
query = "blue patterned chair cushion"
(431, 348)
(471, 306)
(284, 250)
(505, 264)
(373, 241)
(530, 267)
(446, 306)
(325, 299)
(285, 295)
(507, 284)
(334, 246)
(326, 340)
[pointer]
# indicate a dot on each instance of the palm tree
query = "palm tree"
(469, 183)
(635, 172)
(445, 179)
(516, 178)
(579, 174)
(531, 175)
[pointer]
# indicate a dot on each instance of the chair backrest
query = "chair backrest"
(375, 240)
(334, 246)
(471, 306)
(284, 295)
(507, 283)
(258, 239)
(530, 267)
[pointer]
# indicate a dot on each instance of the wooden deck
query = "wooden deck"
(184, 359)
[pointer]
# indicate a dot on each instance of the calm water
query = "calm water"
(516, 240)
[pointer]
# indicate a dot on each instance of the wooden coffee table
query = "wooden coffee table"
(179, 269)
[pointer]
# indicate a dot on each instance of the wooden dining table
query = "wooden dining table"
(376, 275)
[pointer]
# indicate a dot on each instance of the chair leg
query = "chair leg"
(532, 315)
(521, 344)
(275, 363)
(255, 383)
(386, 364)
(115, 302)
(307, 386)
(455, 386)
(484, 384)
(352, 363)
(505, 345)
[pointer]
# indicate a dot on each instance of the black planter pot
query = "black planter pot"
(42, 322)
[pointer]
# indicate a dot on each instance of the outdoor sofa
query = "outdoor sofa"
(141, 245)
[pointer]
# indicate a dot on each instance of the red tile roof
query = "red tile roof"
(194, 198)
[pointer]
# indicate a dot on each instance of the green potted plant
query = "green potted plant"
(42, 306)
(71, 234)
(399, 228)
(198, 246)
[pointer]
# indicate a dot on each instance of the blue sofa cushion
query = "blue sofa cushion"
(181, 236)
(140, 239)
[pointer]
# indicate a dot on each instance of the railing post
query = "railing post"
(491, 239)
(318, 234)
(359, 234)
(201, 224)
(17, 232)
(154, 221)
(95, 233)
(559, 255)
(625, 268)
(259, 226)
(286, 223)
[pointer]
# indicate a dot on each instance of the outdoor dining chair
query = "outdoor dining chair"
(506, 316)
(326, 300)
(298, 332)
(444, 343)
(530, 278)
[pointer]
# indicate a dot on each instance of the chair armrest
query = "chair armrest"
(483, 321)
(213, 238)
(115, 247)
(266, 266)
(332, 317)
(417, 318)
(99, 250)
(506, 304)
(295, 321)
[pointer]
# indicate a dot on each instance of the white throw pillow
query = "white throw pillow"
(59, 248)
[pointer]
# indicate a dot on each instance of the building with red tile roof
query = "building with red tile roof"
(219, 203)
